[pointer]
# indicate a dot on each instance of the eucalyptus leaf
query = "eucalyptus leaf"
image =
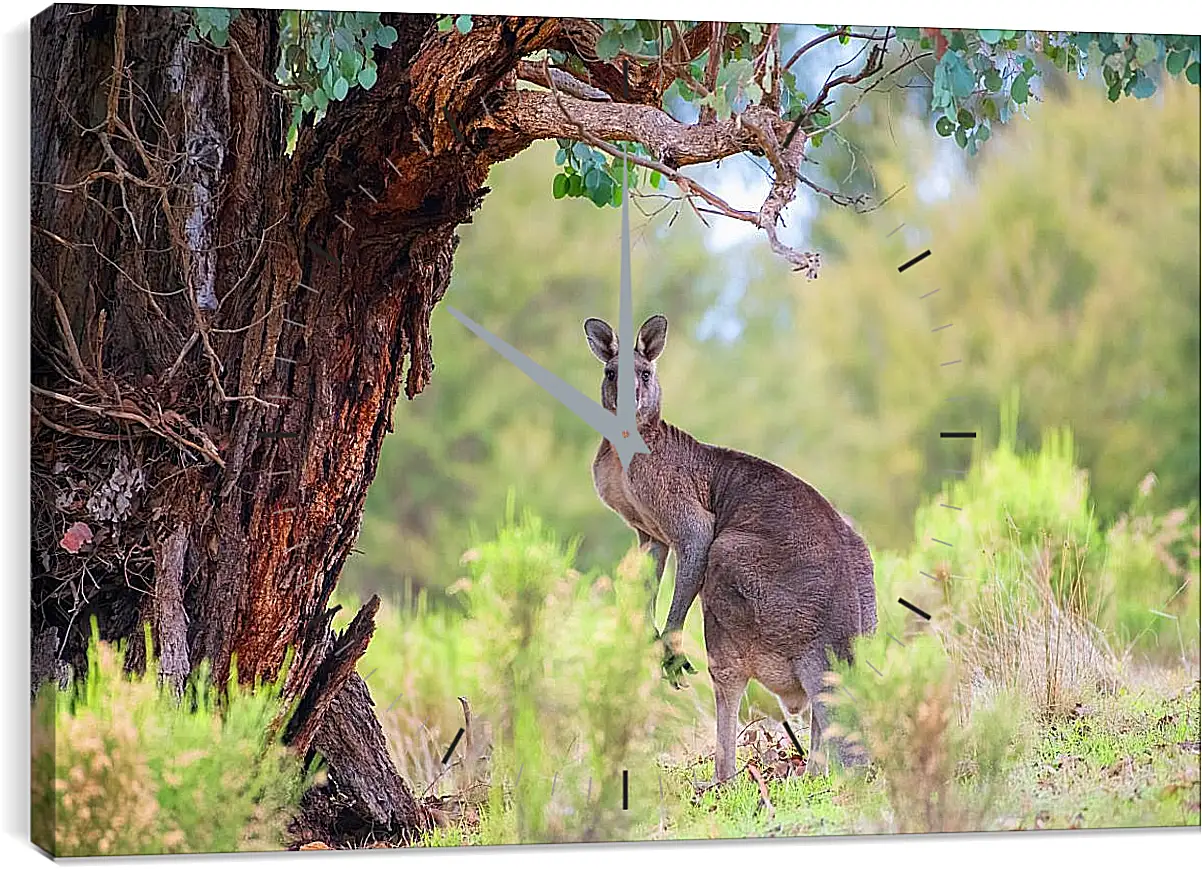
(386, 36)
(1020, 89)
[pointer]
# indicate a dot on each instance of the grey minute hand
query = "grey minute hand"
(626, 441)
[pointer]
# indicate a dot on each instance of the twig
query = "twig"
(273, 86)
(855, 104)
(118, 70)
(64, 325)
(135, 417)
(759, 780)
(818, 40)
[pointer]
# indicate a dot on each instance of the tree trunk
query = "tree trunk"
(220, 332)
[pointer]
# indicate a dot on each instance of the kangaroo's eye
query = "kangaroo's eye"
(609, 375)
(646, 377)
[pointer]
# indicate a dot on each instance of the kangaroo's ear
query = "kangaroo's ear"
(652, 336)
(601, 339)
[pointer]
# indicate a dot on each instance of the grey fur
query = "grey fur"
(783, 578)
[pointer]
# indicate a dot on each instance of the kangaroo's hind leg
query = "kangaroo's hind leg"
(730, 676)
(810, 668)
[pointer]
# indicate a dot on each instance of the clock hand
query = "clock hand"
(625, 440)
(625, 317)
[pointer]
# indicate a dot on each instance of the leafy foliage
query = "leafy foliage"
(980, 78)
(324, 55)
(121, 766)
(590, 173)
(984, 77)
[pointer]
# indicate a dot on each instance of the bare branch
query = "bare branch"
(886, 77)
(818, 40)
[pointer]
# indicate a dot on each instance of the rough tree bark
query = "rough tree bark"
(220, 333)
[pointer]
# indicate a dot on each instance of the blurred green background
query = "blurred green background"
(1067, 259)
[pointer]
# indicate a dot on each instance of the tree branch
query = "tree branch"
(533, 114)
(818, 40)
(594, 123)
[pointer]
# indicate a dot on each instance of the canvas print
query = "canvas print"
(458, 429)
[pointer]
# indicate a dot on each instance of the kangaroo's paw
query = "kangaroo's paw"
(675, 665)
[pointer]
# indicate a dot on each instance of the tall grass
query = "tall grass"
(121, 767)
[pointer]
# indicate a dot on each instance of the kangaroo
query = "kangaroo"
(783, 577)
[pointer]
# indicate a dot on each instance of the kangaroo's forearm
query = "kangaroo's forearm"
(690, 571)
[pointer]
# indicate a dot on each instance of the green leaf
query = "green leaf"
(1192, 73)
(341, 86)
(321, 99)
(983, 132)
(367, 77)
(575, 185)
(602, 193)
(559, 187)
(617, 196)
(560, 157)
(1176, 61)
(1020, 89)
(993, 79)
(907, 32)
(1146, 50)
(220, 37)
(965, 118)
(961, 137)
(387, 35)
(463, 23)
(608, 45)
(306, 102)
(957, 77)
(991, 37)
(656, 179)
(945, 126)
(1144, 87)
(445, 24)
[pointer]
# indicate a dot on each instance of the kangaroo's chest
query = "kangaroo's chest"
(614, 488)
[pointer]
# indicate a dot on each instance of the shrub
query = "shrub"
(943, 766)
(1152, 566)
(120, 767)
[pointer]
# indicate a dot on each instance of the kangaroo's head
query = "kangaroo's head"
(647, 348)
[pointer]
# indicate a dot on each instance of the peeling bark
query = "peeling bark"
(168, 619)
